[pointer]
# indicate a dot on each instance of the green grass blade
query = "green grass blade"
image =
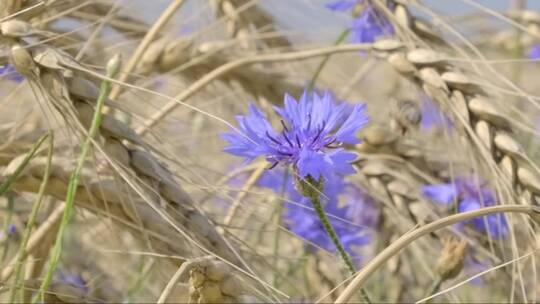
(7, 183)
(21, 254)
(105, 88)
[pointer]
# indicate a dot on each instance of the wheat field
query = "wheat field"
(257, 151)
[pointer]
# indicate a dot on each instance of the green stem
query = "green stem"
(434, 287)
(11, 202)
(332, 234)
(112, 69)
(21, 254)
(315, 200)
(137, 287)
(323, 63)
(7, 183)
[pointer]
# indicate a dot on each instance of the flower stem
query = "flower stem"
(315, 200)
(435, 287)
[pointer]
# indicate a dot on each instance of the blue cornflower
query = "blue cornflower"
(469, 197)
(432, 116)
(73, 279)
(368, 25)
(313, 130)
(351, 212)
(534, 52)
(9, 72)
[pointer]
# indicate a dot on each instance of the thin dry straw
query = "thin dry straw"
(40, 3)
(226, 68)
(325, 60)
(147, 166)
(145, 43)
(245, 15)
(170, 285)
(250, 182)
(477, 276)
(35, 240)
(406, 239)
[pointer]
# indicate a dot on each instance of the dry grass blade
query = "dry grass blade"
(410, 237)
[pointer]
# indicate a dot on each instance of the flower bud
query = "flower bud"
(113, 65)
(405, 114)
(309, 187)
(450, 262)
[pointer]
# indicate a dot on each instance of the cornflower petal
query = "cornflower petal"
(432, 115)
(349, 220)
(534, 52)
(470, 197)
(10, 73)
(341, 161)
(313, 163)
(356, 120)
(494, 224)
(312, 128)
(369, 25)
(442, 193)
(342, 5)
(72, 279)
(290, 111)
(468, 204)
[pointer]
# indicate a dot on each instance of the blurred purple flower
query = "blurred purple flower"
(73, 279)
(469, 197)
(361, 208)
(11, 229)
(473, 266)
(342, 5)
(432, 115)
(351, 212)
(313, 130)
(369, 24)
(280, 181)
(8, 72)
(534, 52)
